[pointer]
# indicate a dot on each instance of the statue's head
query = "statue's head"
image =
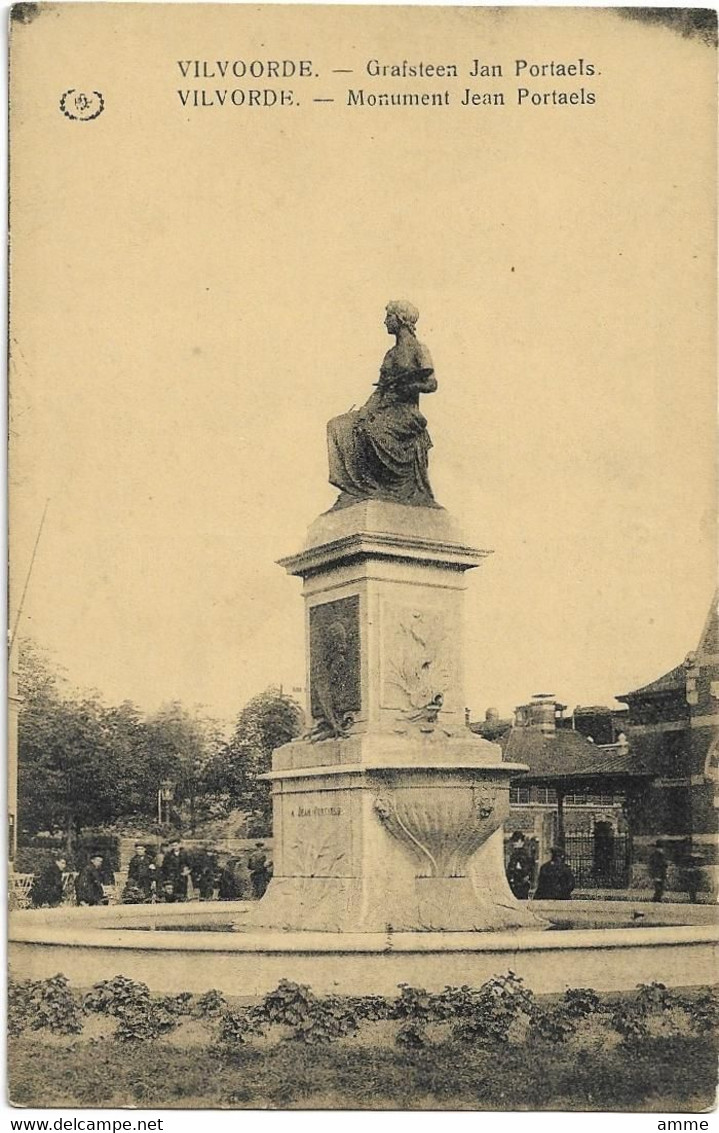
(400, 313)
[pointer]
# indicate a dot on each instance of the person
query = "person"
(48, 887)
(88, 883)
(382, 450)
(183, 889)
(556, 880)
(155, 881)
(206, 876)
(228, 888)
(139, 874)
(259, 871)
(692, 875)
(658, 871)
(519, 867)
(171, 872)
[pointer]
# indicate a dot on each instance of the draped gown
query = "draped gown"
(382, 450)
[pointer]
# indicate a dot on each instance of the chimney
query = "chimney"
(539, 714)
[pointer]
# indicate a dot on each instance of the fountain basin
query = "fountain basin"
(92, 944)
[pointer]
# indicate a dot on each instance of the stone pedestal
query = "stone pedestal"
(388, 816)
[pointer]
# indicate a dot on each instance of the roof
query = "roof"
(673, 681)
(491, 729)
(567, 757)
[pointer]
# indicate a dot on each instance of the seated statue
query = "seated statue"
(381, 451)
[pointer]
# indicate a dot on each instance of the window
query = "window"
(545, 795)
(518, 795)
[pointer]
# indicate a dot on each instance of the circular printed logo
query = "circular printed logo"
(82, 106)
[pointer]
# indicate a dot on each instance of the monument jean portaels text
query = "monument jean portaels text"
(388, 814)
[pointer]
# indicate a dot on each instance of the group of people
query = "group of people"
(49, 886)
(555, 881)
(173, 876)
(168, 876)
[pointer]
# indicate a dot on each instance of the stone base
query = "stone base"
(94, 944)
(425, 904)
(395, 833)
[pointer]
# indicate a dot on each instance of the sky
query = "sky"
(194, 294)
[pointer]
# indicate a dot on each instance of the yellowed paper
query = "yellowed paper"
(210, 208)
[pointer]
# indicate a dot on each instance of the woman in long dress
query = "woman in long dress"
(382, 450)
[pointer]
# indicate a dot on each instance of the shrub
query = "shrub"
(313, 1020)
(43, 1004)
(236, 1028)
(629, 1022)
(371, 1007)
(176, 1004)
(703, 1011)
(144, 1020)
(19, 1006)
(488, 1014)
(210, 1005)
(653, 998)
(289, 1003)
(328, 1019)
(113, 997)
(552, 1024)
(581, 1002)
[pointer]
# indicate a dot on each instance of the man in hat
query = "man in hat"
(48, 887)
(88, 883)
(139, 873)
(171, 872)
(260, 872)
(519, 867)
(556, 880)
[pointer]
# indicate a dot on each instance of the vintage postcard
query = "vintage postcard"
(364, 656)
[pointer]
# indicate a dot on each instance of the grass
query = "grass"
(676, 1073)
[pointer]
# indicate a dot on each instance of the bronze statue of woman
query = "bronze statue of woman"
(381, 451)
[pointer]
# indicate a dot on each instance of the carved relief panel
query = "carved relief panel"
(420, 650)
(335, 675)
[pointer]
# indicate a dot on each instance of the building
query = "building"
(673, 727)
(577, 792)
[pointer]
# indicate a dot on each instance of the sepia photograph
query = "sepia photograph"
(363, 678)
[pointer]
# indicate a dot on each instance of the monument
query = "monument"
(388, 814)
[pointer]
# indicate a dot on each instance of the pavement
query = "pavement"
(644, 895)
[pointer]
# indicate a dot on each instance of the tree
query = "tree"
(268, 721)
(182, 744)
(66, 771)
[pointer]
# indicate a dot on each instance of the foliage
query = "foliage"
(558, 1022)
(703, 1011)
(180, 1004)
(236, 1028)
(313, 1020)
(266, 722)
(653, 998)
(488, 1014)
(631, 1023)
(142, 1022)
(139, 1016)
(211, 1004)
(480, 1017)
(39, 1004)
(580, 1002)
(112, 997)
(552, 1024)
(85, 764)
